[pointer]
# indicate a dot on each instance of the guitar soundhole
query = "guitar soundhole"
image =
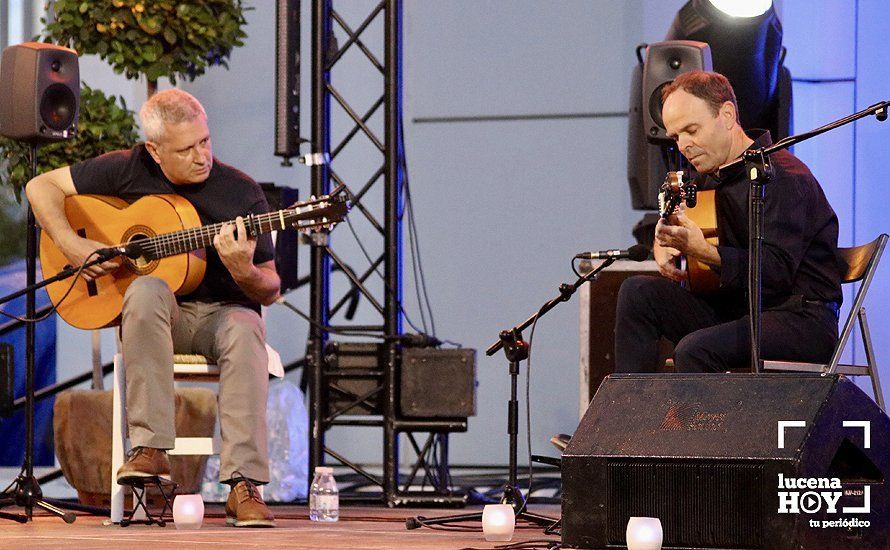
(141, 265)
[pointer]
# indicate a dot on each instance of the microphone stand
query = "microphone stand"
(757, 166)
(516, 350)
(25, 491)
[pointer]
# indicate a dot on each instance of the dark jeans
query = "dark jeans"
(706, 337)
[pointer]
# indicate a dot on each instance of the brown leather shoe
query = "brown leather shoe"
(245, 506)
(144, 462)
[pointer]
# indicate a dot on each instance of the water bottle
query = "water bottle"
(324, 498)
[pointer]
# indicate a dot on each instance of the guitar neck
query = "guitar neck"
(187, 240)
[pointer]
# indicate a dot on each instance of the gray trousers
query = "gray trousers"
(154, 326)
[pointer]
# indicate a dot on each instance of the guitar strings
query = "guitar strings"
(178, 242)
(168, 244)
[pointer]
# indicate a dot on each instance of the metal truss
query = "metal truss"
(331, 403)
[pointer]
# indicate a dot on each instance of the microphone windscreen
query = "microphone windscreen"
(638, 252)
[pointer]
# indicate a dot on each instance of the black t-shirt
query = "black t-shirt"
(800, 231)
(226, 194)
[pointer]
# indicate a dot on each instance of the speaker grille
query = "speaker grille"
(701, 504)
(58, 106)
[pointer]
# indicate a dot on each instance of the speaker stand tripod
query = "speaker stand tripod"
(516, 350)
(25, 490)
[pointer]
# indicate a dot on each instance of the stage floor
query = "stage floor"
(359, 527)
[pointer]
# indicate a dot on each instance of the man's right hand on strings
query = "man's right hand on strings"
(78, 251)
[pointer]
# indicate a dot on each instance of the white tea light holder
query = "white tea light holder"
(498, 522)
(644, 534)
(188, 511)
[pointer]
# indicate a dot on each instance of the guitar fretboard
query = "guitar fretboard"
(186, 240)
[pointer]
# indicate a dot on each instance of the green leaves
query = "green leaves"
(154, 38)
(170, 36)
(103, 126)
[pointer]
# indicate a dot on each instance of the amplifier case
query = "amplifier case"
(438, 383)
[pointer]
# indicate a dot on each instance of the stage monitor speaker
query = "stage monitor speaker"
(287, 79)
(665, 61)
(39, 92)
(730, 461)
(438, 383)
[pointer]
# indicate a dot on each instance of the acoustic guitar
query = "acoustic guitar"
(701, 208)
(164, 238)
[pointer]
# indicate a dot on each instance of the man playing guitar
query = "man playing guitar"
(220, 318)
(801, 267)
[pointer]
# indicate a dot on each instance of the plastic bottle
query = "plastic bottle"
(324, 498)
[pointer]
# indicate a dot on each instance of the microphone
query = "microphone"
(130, 250)
(637, 253)
(421, 340)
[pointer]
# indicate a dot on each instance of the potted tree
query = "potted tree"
(151, 38)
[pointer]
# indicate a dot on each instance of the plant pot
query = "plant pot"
(82, 430)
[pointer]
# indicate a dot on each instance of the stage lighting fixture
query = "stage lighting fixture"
(743, 8)
(745, 43)
(746, 47)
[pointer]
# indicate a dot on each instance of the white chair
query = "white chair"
(194, 368)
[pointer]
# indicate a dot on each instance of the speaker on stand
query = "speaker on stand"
(39, 103)
(287, 80)
(650, 153)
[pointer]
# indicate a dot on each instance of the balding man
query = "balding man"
(801, 267)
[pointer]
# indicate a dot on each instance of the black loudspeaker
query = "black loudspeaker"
(665, 61)
(438, 383)
(649, 153)
(710, 457)
(646, 163)
(287, 79)
(7, 380)
(39, 92)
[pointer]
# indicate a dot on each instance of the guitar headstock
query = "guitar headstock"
(319, 214)
(674, 191)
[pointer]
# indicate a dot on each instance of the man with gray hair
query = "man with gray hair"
(219, 319)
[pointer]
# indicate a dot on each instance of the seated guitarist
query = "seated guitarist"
(801, 269)
(220, 319)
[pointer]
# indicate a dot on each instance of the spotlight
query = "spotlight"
(743, 8)
(740, 39)
(746, 47)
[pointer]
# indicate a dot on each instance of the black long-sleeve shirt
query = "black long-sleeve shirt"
(800, 231)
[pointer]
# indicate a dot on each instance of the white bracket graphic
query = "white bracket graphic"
(866, 430)
(782, 424)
